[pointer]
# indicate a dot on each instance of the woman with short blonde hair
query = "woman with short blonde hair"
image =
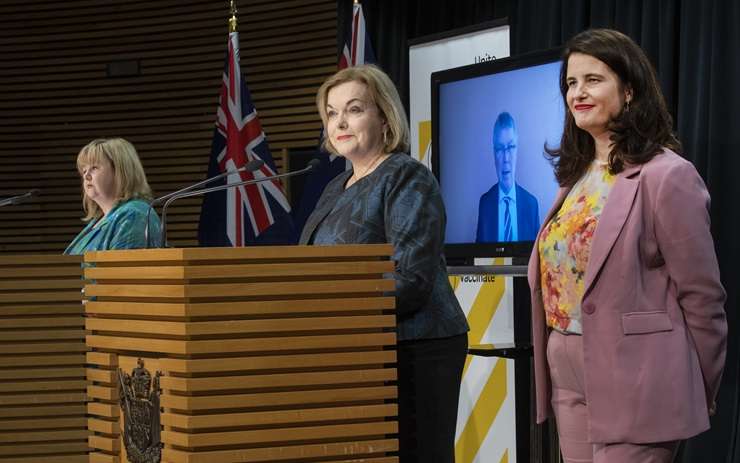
(130, 179)
(380, 91)
(115, 195)
(389, 197)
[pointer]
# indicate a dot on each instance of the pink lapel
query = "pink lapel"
(533, 269)
(617, 208)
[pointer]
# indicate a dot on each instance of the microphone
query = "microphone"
(314, 163)
(13, 200)
(251, 166)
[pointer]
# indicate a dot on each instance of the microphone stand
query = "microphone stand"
(187, 194)
(251, 166)
(13, 200)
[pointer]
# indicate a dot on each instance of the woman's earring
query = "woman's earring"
(627, 106)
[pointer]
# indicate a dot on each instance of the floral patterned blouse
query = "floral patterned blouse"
(565, 247)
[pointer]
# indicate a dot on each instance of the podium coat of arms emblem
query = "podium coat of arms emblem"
(139, 399)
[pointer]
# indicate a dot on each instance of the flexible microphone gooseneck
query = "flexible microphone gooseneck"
(251, 166)
(187, 194)
(13, 200)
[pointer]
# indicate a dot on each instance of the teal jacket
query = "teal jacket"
(122, 228)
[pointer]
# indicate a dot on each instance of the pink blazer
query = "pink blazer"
(654, 326)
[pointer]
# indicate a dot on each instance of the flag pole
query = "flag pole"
(232, 20)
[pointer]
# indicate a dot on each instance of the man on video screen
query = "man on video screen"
(506, 212)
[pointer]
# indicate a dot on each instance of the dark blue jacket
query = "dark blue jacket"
(398, 203)
(527, 216)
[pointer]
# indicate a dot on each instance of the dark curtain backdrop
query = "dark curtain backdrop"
(693, 45)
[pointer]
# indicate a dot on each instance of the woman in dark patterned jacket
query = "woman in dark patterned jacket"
(388, 197)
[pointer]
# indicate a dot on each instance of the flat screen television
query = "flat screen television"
(491, 116)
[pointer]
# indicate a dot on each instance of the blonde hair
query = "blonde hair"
(130, 179)
(382, 92)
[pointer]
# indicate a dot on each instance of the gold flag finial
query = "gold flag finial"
(232, 19)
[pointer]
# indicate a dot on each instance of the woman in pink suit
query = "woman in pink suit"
(628, 318)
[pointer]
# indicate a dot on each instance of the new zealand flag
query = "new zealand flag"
(251, 214)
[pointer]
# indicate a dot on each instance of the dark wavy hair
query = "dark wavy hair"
(639, 132)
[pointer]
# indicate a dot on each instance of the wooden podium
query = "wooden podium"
(266, 354)
(42, 360)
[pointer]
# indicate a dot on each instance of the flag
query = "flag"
(252, 214)
(357, 50)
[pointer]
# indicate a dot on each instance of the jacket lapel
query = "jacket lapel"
(100, 229)
(326, 206)
(494, 229)
(313, 221)
(81, 239)
(521, 212)
(617, 208)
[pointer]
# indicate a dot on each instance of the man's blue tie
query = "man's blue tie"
(507, 220)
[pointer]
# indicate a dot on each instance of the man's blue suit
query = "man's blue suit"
(527, 216)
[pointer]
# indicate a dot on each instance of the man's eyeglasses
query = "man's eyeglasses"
(501, 148)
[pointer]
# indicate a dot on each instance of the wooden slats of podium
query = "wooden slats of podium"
(268, 354)
(42, 360)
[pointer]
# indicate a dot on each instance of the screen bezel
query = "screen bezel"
(496, 249)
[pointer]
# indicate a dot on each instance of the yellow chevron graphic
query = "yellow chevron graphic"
(425, 138)
(505, 457)
(454, 282)
(484, 413)
(481, 313)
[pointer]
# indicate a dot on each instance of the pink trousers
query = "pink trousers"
(565, 359)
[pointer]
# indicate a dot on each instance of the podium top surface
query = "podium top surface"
(246, 253)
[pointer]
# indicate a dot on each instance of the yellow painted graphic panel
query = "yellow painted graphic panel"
(425, 138)
(486, 415)
(480, 420)
(481, 313)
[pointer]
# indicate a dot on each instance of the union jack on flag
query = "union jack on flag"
(251, 214)
(357, 49)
